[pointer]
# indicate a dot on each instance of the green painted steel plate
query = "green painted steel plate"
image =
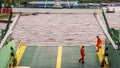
(46, 56)
(40, 57)
(71, 56)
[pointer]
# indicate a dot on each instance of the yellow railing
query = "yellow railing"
(20, 51)
(103, 59)
(15, 60)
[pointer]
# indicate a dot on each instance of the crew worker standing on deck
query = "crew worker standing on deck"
(99, 42)
(82, 55)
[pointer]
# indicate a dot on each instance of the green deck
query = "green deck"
(46, 56)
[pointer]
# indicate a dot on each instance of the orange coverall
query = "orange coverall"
(99, 42)
(82, 55)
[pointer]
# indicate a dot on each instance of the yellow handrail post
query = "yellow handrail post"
(20, 51)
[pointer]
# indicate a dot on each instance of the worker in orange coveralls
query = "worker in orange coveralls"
(82, 55)
(99, 42)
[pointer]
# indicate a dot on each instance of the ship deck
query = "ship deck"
(59, 57)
